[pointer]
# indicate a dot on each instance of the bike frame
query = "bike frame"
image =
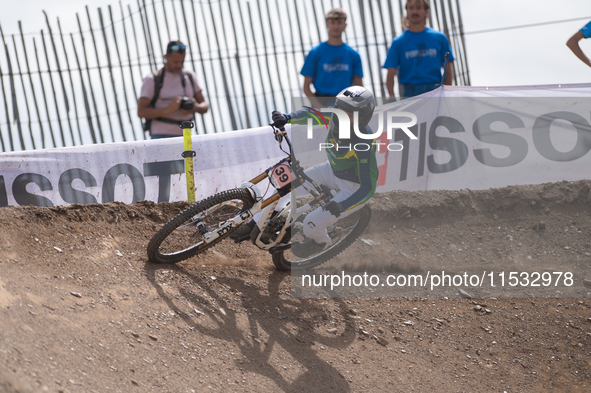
(267, 206)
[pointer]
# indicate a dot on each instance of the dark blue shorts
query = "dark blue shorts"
(415, 90)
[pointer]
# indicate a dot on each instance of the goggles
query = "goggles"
(178, 48)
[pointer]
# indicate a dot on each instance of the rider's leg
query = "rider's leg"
(316, 222)
(314, 228)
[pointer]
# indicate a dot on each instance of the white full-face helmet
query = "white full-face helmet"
(356, 99)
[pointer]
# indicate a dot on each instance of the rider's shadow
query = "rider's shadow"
(276, 320)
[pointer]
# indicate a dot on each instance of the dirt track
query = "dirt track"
(81, 309)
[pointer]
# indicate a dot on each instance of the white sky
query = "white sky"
(526, 56)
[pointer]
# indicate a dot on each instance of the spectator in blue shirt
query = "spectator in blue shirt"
(418, 55)
(332, 65)
(573, 43)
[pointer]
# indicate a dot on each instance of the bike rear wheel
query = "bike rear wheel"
(343, 233)
(182, 237)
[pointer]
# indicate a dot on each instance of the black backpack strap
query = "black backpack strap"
(192, 83)
(158, 81)
(183, 83)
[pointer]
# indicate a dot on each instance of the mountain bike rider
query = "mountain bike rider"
(353, 173)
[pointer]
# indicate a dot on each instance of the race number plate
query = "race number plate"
(281, 175)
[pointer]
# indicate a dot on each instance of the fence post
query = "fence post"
(59, 72)
(272, 64)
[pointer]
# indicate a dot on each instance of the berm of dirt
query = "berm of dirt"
(83, 310)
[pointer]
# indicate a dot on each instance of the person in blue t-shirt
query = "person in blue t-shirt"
(332, 65)
(573, 43)
(418, 55)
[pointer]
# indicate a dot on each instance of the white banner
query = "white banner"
(474, 138)
(469, 138)
(132, 171)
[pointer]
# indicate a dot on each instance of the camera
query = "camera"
(186, 103)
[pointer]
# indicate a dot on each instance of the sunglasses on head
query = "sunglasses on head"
(178, 48)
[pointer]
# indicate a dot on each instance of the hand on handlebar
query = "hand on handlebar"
(334, 208)
(279, 119)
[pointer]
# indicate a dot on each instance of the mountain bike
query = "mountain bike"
(211, 220)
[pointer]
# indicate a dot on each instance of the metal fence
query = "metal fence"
(81, 87)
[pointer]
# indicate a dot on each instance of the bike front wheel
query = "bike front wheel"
(183, 236)
(343, 233)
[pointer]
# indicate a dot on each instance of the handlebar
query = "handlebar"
(281, 134)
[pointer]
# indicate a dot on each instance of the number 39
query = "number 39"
(281, 175)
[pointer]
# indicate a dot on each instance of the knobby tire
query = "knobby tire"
(154, 246)
(283, 264)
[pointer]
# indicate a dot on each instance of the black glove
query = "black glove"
(279, 119)
(334, 208)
